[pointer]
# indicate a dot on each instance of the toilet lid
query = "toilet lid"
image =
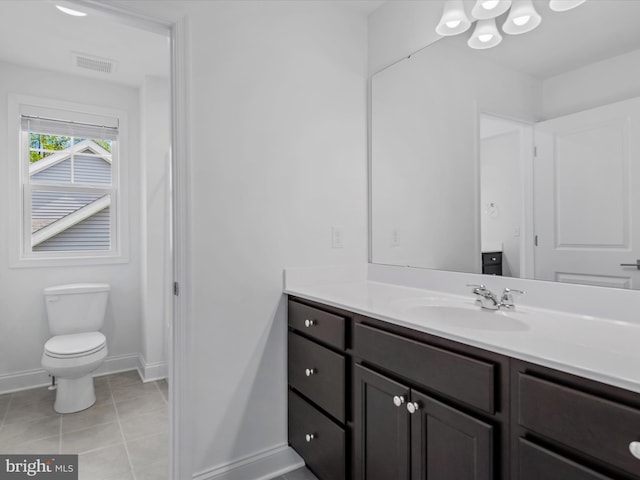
(75, 345)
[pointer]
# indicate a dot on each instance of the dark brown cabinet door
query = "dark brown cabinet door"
(447, 444)
(381, 428)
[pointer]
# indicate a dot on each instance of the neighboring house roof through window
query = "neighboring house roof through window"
(54, 212)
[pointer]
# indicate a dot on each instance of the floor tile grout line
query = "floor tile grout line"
(124, 440)
(60, 439)
(6, 412)
(102, 447)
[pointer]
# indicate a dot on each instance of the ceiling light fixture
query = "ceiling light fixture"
(70, 11)
(454, 19)
(486, 9)
(485, 35)
(522, 18)
(564, 5)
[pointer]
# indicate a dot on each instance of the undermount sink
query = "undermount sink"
(465, 316)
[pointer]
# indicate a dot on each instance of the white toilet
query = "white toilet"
(77, 349)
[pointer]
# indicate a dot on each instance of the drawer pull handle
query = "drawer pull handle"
(398, 400)
(310, 436)
(634, 448)
(310, 323)
(310, 371)
(413, 407)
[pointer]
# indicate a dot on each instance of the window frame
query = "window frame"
(21, 188)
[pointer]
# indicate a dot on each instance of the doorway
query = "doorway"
(151, 176)
(506, 202)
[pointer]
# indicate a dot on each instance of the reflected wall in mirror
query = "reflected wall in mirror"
(521, 160)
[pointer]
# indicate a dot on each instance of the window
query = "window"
(69, 186)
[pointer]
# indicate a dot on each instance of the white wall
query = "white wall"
(156, 279)
(600, 83)
(278, 156)
(23, 321)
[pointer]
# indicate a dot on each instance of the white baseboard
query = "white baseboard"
(13, 382)
(150, 372)
(263, 465)
(39, 377)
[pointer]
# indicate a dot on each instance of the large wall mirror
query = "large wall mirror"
(521, 160)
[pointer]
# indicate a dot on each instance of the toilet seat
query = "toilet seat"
(75, 345)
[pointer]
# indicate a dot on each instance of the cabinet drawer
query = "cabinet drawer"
(465, 379)
(537, 463)
(600, 428)
(492, 269)
(318, 324)
(492, 258)
(318, 373)
(325, 452)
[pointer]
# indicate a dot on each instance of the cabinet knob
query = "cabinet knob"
(309, 436)
(309, 323)
(398, 400)
(310, 371)
(634, 448)
(413, 407)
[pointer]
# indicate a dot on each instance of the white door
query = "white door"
(587, 196)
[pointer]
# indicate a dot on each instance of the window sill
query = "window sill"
(71, 261)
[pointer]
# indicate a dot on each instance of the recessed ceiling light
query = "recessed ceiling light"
(70, 11)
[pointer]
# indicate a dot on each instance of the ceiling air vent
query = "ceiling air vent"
(91, 62)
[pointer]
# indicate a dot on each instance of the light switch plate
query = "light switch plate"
(337, 237)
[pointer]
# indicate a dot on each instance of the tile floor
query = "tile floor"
(124, 436)
(300, 474)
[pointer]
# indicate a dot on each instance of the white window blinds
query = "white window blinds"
(66, 128)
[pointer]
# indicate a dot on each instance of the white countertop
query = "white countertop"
(604, 350)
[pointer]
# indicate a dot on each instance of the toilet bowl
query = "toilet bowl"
(75, 313)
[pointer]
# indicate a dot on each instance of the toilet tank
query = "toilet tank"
(76, 308)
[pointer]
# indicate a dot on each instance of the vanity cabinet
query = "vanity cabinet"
(570, 428)
(372, 400)
(425, 408)
(317, 377)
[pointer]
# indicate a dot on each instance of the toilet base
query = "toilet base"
(74, 394)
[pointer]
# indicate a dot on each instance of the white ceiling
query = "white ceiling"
(564, 41)
(364, 7)
(36, 34)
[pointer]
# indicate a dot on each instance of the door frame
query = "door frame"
(527, 155)
(179, 344)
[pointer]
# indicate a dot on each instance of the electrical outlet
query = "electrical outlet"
(395, 237)
(337, 237)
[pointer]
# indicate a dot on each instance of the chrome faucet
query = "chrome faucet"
(486, 298)
(489, 300)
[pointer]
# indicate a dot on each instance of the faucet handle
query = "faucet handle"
(508, 291)
(507, 297)
(477, 285)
